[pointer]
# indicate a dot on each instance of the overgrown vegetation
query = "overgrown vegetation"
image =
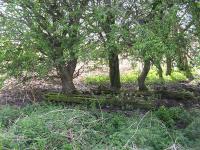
(45, 126)
(51, 42)
(38, 37)
(131, 77)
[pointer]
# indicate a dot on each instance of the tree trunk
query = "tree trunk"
(183, 66)
(66, 74)
(114, 72)
(143, 75)
(188, 73)
(160, 71)
(169, 66)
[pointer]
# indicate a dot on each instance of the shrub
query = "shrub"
(8, 115)
(152, 76)
(178, 76)
(193, 130)
(173, 116)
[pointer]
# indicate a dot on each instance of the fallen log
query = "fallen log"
(127, 100)
(184, 96)
(100, 101)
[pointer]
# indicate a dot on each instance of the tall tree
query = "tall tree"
(186, 30)
(105, 26)
(153, 37)
(114, 72)
(49, 30)
(168, 65)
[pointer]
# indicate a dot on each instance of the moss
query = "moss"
(103, 101)
(125, 100)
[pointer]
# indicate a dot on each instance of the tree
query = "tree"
(186, 30)
(194, 10)
(104, 23)
(153, 37)
(45, 32)
(169, 65)
(143, 75)
(114, 72)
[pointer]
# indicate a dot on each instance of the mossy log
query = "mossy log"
(125, 100)
(100, 101)
(183, 96)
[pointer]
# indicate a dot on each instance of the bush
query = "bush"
(173, 116)
(153, 77)
(193, 130)
(178, 76)
(8, 116)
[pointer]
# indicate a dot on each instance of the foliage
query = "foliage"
(132, 76)
(40, 36)
(171, 116)
(8, 115)
(45, 126)
(178, 76)
(98, 79)
(149, 44)
(192, 131)
(103, 79)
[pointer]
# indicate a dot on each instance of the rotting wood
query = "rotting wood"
(100, 101)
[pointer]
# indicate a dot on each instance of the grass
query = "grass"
(48, 126)
(131, 77)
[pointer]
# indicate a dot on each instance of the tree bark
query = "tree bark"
(64, 69)
(183, 66)
(114, 72)
(66, 75)
(143, 75)
(188, 73)
(160, 71)
(169, 66)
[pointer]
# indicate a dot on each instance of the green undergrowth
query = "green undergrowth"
(47, 126)
(131, 77)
